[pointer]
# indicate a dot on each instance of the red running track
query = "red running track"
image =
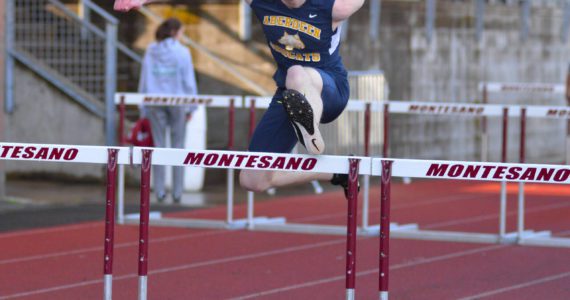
(66, 262)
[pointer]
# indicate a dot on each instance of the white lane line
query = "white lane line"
(27, 232)
(179, 268)
(325, 216)
(180, 237)
(372, 271)
(518, 286)
(54, 289)
(262, 254)
(392, 267)
(396, 207)
(496, 216)
(117, 246)
(158, 271)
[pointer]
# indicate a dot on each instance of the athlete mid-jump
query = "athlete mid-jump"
(312, 84)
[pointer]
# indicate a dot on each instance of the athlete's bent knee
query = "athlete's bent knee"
(253, 182)
(296, 77)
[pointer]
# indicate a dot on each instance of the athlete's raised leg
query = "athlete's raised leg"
(304, 108)
(304, 105)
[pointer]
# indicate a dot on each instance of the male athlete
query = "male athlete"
(312, 85)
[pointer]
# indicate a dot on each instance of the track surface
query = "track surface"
(65, 262)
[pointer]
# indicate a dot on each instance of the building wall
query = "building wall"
(42, 114)
(450, 67)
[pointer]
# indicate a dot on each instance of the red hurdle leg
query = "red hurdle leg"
(366, 179)
(520, 221)
(484, 134)
(230, 174)
(231, 124)
(110, 224)
(504, 153)
(351, 227)
(122, 140)
(251, 119)
(386, 145)
(143, 224)
(385, 228)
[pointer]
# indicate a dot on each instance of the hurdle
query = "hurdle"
(545, 239)
(111, 157)
(486, 88)
(410, 230)
(482, 171)
(433, 169)
(354, 166)
(366, 107)
(231, 102)
(413, 231)
(469, 110)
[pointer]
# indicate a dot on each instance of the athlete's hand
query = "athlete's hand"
(126, 5)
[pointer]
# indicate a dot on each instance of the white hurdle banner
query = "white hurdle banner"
(177, 100)
(61, 153)
(522, 87)
(231, 102)
(353, 166)
(111, 156)
(252, 160)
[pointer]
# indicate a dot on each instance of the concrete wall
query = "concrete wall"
(450, 67)
(42, 114)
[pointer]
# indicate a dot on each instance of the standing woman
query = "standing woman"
(167, 69)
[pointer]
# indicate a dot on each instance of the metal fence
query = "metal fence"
(80, 55)
(56, 37)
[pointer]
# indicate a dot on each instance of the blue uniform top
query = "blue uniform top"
(300, 36)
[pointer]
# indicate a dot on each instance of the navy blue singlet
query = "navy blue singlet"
(299, 36)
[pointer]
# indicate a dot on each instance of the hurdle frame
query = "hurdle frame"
(365, 106)
(544, 238)
(386, 168)
(146, 157)
(526, 87)
(407, 230)
(464, 109)
(412, 230)
(231, 102)
(109, 156)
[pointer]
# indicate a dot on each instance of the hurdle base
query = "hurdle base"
(156, 219)
(350, 294)
(328, 229)
(108, 286)
(143, 283)
(545, 240)
(153, 215)
(465, 237)
(374, 230)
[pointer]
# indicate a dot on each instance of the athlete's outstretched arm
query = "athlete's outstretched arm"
(126, 5)
(343, 9)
